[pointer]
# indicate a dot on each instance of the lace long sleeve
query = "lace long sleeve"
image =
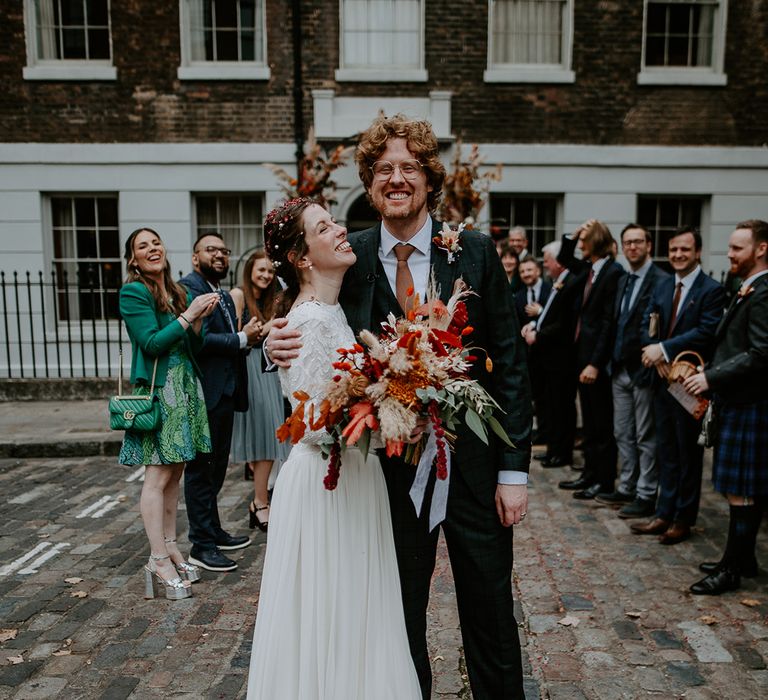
(323, 330)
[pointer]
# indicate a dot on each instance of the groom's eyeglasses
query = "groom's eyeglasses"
(409, 169)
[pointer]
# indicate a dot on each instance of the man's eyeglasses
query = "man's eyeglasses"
(633, 243)
(212, 250)
(409, 169)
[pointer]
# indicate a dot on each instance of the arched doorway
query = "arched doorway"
(361, 214)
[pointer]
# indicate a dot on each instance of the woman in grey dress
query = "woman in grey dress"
(253, 436)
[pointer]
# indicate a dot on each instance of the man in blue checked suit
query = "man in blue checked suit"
(224, 380)
(681, 317)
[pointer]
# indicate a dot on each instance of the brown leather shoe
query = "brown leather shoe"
(655, 527)
(678, 532)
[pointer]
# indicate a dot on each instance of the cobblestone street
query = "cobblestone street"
(603, 613)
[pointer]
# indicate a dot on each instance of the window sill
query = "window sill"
(381, 75)
(529, 74)
(224, 71)
(65, 70)
(681, 76)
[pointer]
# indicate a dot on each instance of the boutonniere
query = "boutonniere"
(449, 240)
(558, 286)
(745, 292)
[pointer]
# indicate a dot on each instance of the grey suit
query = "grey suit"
(633, 419)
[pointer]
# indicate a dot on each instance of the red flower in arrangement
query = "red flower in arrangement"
(418, 366)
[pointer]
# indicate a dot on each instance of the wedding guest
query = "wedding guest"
(594, 318)
(253, 434)
(737, 378)
(164, 327)
(222, 361)
(399, 164)
(529, 302)
(518, 241)
(550, 336)
(511, 263)
(633, 424)
(682, 316)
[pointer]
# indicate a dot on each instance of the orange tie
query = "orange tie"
(403, 276)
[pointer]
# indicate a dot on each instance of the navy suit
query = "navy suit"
(593, 347)
(224, 380)
(536, 368)
(679, 456)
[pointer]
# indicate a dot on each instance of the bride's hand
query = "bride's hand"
(282, 344)
(418, 431)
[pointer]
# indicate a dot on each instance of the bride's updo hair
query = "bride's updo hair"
(285, 245)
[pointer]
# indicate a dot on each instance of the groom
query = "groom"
(399, 165)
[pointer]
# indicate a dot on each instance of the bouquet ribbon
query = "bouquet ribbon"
(440, 493)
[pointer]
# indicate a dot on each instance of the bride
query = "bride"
(330, 622)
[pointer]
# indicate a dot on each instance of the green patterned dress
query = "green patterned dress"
(184, 431)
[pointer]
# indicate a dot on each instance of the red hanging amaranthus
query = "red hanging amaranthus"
(441, 461)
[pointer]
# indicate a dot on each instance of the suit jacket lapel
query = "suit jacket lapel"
(360, 282)
(690, 299)
(445, 273)
(620, 296)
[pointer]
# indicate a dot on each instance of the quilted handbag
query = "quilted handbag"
(134, 412)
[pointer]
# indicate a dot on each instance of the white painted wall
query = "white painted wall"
(155, 183)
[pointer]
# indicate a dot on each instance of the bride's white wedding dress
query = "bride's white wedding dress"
(330, 620)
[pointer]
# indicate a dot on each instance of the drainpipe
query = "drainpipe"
(298, 84)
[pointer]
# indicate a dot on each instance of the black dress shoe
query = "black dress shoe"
(575, 484)
(639, 508)
(588, 494)
(540, 456)
(614, 498)
(721, 581)
(228, 542)
(710, 567)
(552, 462)
(211, 559)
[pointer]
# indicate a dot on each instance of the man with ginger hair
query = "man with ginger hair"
(399, 165)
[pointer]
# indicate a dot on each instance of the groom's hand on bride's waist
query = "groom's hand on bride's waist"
(282, 344)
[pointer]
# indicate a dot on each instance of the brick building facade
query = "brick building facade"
(136, 113)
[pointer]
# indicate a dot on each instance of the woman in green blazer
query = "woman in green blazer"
(164, 326)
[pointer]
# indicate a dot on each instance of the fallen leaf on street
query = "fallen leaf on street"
(750, 602)
(569, 621)
(78, 594)
(633, 613)
(74, 579)
(708, 619)
(439, 658)
(6, 635)
(16, 659)
(62, 652)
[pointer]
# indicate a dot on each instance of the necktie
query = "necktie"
(403, 276)
(587, 290)
(531, 295)
(675, 304)
(627, 301)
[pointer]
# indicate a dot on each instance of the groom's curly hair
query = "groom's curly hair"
(421, 141)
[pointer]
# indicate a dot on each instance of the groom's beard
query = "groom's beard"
(211, 273)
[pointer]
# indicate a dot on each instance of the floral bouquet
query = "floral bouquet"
(418, 366)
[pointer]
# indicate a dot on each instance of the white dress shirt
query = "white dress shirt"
(418, 262)
(242, 337)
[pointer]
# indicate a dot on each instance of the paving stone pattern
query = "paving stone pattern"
(632, 629)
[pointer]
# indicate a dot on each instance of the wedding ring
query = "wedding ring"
(522, 515)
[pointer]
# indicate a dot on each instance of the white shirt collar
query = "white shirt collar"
(421, 240)
(598, 265)
(642, 271)
(689, 279)
(537, 287)
(751, 280)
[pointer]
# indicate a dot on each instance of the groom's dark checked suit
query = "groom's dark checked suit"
(480, 547)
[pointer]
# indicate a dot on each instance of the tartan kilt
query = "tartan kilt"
(740, 460)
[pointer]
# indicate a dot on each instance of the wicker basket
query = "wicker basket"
(681, 369)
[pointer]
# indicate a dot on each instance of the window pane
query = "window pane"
(248, 46)
(109, 244)
(527, 31)
(107, 209)
(679, 33)
(86, 244)
(74, 43)
(85, 211)
(71, 12)
(98, 12)
(98, 44)
(226, 46)
(226, 13)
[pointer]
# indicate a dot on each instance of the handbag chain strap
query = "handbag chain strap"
(120, 377)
